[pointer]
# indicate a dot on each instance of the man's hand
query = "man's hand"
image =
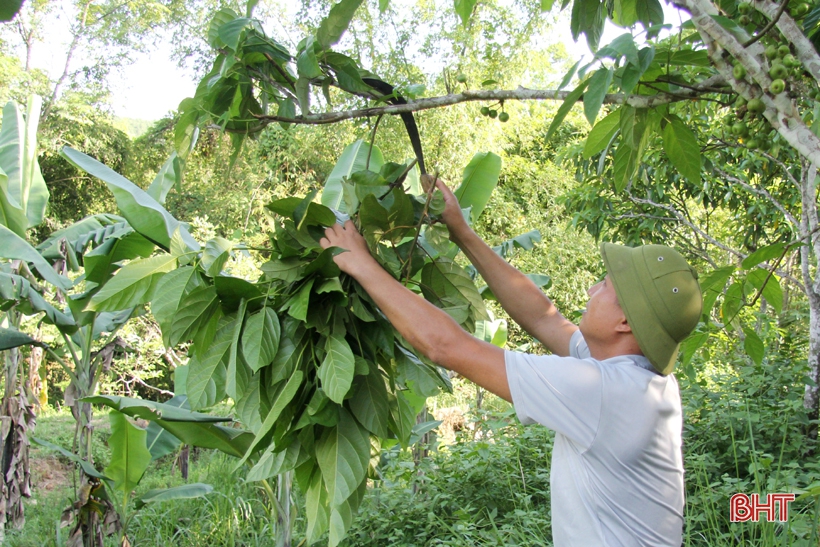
(357, 255)
(451, 216)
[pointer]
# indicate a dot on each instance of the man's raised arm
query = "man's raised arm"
(518, 295)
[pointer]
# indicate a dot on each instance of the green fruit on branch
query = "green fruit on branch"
(756, 106)
(790, 61)
(503, 117)
(461, 78)
(493, 113)
(739, 72)
(744, 8)
(771, 51)
(783, 50)
(777, 87)
(740, 101)
(744, 20)
(485, 110)
(778, 71)
(740, 129)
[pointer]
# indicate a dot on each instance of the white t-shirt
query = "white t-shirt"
(617, 466)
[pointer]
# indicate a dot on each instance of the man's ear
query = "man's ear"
(623, 326)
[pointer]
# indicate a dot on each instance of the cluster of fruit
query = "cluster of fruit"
(493, 113)
(781, 61)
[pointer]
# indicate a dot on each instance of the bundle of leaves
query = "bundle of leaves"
(317, 374)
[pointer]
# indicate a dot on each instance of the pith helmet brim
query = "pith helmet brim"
(660, 296)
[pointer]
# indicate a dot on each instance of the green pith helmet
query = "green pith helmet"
(660, 295)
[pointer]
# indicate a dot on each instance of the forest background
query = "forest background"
(747, 426)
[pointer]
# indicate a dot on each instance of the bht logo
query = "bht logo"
(743, 508)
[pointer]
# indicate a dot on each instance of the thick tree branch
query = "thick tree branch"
(519, 94)
(780, 109)
(794, 34)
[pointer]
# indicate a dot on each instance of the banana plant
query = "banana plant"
(133, 450)
(75, 281)
(23, 197)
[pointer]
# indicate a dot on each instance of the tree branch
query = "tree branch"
(519, 94)
(762, 192)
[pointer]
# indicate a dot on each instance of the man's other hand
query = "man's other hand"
(347, 237)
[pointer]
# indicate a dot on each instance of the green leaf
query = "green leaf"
(625, 45)
(169, 292)
(297, 306)
(546, 5)
(103, 260)
(594, 96)
(222, 17)
(191, 428)
(478, 181)
(282, 398)
(763, 254)
(353, 159)
(217, 251)
(231, 31)
(129, 455)
(207, 373)
(182, 492)
(732, 301)
(772, 291)
(692, 343)
(33, 197)
(159, 441)
(232, 290)
(141, 210)
(306, 63)
(239, 372)
(690, 57)
(273, 462)
(87, 468)
(316, 507)
(12, 211)
(337, 368)
(286, 269)
(464, 9)
(601, 135)
(681, 145)
(711, 285)
(343, 454)
(194, 311)
(16, 248)
(625, 164)
(169, 175)
(572, 98)
(134, 284)
(402, 417)
(753, 346)
(334, 25)
(260, 338)
(448, 286)
(649, 12)
(13, 338)
(588, 17)
(369, 403)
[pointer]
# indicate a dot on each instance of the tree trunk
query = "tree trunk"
(809, 234)
(16, 419)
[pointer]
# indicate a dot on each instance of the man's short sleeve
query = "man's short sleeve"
(561, 393)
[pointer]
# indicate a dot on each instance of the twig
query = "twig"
(769, 25)
(372, 141)
(430, 192)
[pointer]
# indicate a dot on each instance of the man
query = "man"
(617, 471)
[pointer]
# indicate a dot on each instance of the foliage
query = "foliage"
(314, 375)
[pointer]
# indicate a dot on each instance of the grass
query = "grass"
(488, 488)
